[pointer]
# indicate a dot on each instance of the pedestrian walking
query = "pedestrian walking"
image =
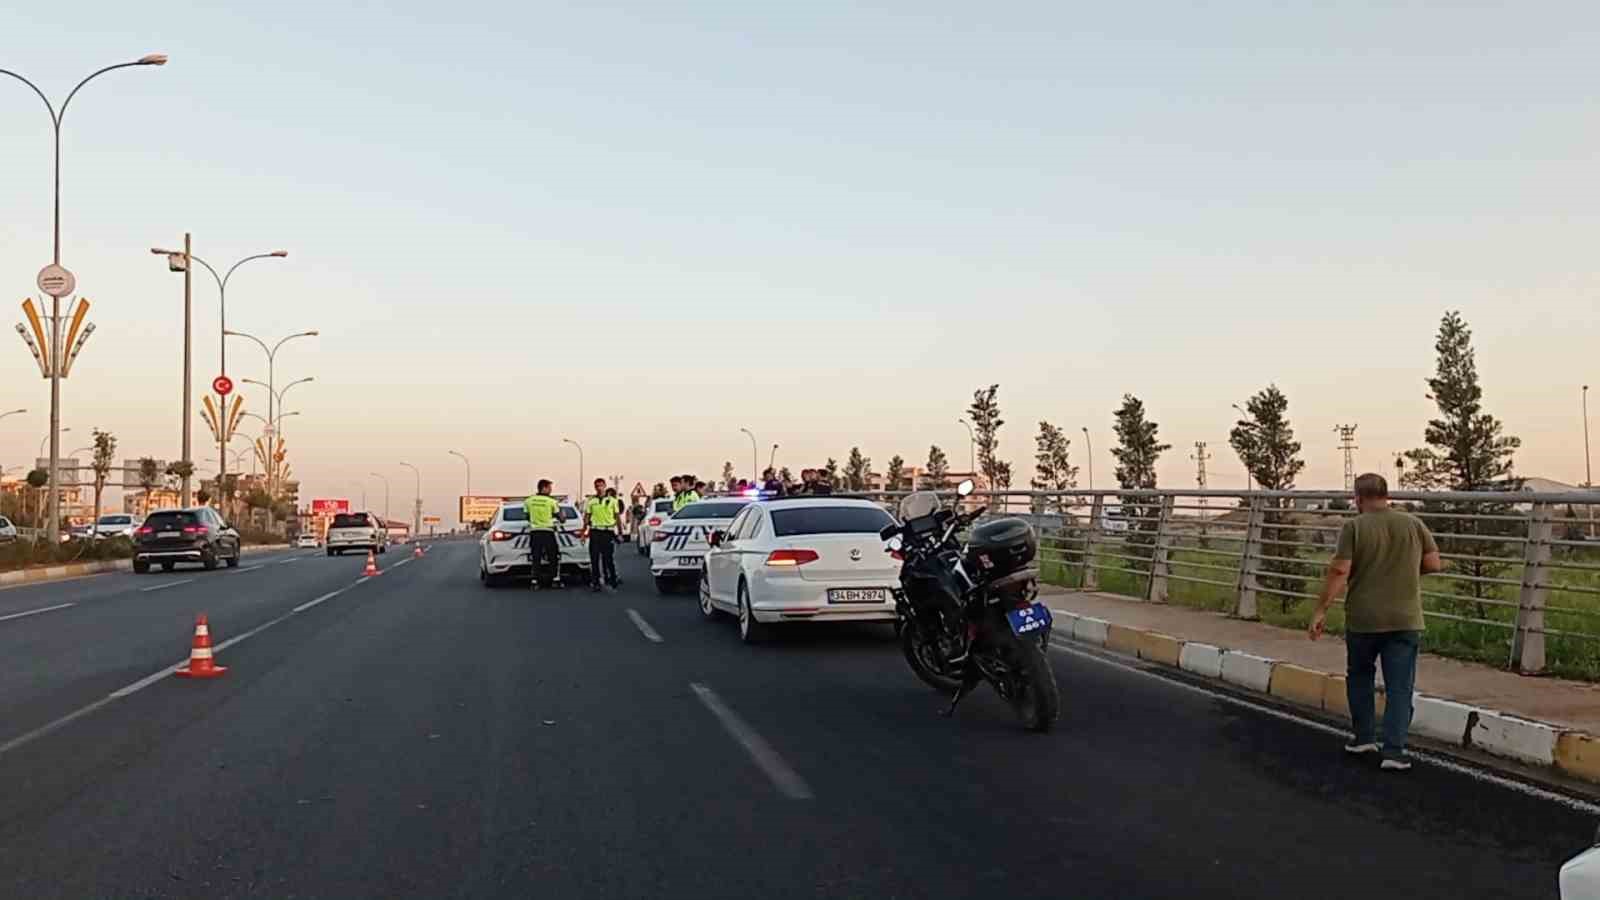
(544, 553)
(1379, 563)
(600, 518)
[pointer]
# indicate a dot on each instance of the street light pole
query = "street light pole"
(188, 370)
(1588, 472)
(755, 454)
(47, 437)
(463, 458)
(385, 493)
(363, 488)
(56, 363)
(222, 330)
(772, 459)
(1088, 447)
(416, 512)
(1249, 483)
(972, 445)
(272, 357)
(580, 466)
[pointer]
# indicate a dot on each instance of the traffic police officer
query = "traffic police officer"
(686, 494)
(544, 553)
(600, 516)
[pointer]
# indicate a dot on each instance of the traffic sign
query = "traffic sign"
(222, 384)
(56, 281)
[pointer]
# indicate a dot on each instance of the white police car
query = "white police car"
(678, 545)
(503, 550)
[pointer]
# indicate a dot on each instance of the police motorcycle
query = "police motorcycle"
(967, 613)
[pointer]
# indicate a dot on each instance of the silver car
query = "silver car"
(8, 531)
(117, 525)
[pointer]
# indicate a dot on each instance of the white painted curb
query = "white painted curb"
(1515, 738)
(1247, 670)
(1201, 659)
(1444, 720)
(1090, 631)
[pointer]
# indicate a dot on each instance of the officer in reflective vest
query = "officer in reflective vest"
(600, 516)
(687, 494)
(544, 553)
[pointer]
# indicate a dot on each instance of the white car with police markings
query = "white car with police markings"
(801, 559)
(657, 511)
(503, 549)
(678, 545)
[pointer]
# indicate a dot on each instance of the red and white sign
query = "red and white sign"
(222, 384)
(329, 507)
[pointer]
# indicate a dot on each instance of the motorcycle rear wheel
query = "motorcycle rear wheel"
(922, 657)
(1034, 694)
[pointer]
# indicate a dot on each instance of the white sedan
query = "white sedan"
(657, 511)
(678, 545)
(503, 550)
(801, 559)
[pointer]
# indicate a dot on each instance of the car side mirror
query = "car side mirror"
(715, 538)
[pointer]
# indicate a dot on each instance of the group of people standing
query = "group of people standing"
(602, 516)
(813, 482)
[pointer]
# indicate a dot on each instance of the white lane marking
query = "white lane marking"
(644, 627)
(786, 780)
(159, 675)
(399, 564)
(165, 585)
(250, 568)
(1449, 765)
(285, 562)
(55, 581)
(35, 612)
(328, 596)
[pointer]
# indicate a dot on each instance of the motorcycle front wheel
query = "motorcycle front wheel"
(923, 658)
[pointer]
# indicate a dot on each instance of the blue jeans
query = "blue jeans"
(1398, 651)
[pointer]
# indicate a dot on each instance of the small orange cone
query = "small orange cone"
(201, 664)
(372, 565)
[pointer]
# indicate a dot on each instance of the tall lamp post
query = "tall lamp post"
(972, 445)
(1249, 483)
(272, 357)
(1088, 453)
(755, 454)
(463, 457)
(579, 495)
(57, 281)
(363, 489)
(1588, 472)
(772, 459)
(176, 259)
(47, 438)
(416, 504)
(385, 493)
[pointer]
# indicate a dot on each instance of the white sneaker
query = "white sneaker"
(1360, 749)
(1395, 764)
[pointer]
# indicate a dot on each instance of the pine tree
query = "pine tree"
(1266, 443)
(1137, 451)
(149, 477)
(856, 470)
(895, 474)
(832, 470)
(1466, 451)
(937, 468)
(1052, 463)
(984, 413)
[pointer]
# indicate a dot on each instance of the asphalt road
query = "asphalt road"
(417, 735)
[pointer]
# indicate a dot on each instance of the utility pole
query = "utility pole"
(1347, 443)
(1200, 456)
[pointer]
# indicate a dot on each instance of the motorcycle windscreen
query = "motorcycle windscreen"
(918, 505)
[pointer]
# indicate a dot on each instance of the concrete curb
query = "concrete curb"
(1573, 753)
(79, 570)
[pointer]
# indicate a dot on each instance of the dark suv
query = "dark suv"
(172, 536)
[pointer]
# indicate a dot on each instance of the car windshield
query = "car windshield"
(714, 510)
(829, 520)
(116, 520)
(351, 520)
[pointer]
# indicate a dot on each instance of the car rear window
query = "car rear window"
(166, 521)
(116, 520)
(829, 520)
(5, 522)
(724, 510)
(351, 520)
(662, 506)
(513, 514)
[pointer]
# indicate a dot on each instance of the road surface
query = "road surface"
(417, 735)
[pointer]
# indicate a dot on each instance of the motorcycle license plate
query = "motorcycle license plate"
(1029, 619)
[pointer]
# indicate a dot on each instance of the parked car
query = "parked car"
(8, 531)
(657, 511)
(117, 525)
(357, 531)
(306, 540)
(503, 549)
(197, 535)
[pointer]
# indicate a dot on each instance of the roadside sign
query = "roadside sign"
(56, 281)
(638, 490)
(329, 507)
(222, 384)
(482, 508)
(430, 520)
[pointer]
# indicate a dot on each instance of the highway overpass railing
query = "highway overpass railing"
(1520, 589)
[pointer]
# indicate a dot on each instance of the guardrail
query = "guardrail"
(1521, 585)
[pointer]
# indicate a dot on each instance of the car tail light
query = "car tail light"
(654, 521)
(657, 537)
(896, 554)
(498, 535)
(193, 529)
(145, 529)
(791, 557)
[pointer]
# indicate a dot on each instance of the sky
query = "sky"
(644, 226)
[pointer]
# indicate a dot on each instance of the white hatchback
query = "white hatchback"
(657, 512)
(801, 559)
(678, 546)
(503, 550)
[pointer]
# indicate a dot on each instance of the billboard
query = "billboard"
(430, 520)
(482, 508)
(329, 507)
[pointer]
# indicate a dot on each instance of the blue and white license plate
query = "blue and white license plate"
(1029, 619)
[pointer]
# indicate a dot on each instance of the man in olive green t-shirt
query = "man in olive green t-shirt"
(1382, 555)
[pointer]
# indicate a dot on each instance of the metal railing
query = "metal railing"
(1521, 585)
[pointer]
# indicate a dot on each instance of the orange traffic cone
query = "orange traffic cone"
(200, 663)
(372, 565)
(417, 552)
